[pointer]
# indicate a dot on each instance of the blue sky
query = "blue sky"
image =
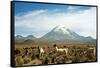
(24, 7)
(38, 19)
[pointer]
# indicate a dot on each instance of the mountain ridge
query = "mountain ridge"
(59, 33)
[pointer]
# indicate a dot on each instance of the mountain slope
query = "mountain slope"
(61, 33)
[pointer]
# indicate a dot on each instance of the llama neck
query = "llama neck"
(56, 48)
(41, 49)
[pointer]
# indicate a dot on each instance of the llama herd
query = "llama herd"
(57, 49)
(53, 55)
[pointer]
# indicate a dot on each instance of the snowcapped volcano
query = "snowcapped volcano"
(62, 33)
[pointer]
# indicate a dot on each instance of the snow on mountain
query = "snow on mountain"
(60, 33)
(61, 29)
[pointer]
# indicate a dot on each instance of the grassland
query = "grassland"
(31, 55)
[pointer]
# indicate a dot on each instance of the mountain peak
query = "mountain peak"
(60, 26)
(19, 36)
(61, 29)
(31, 36)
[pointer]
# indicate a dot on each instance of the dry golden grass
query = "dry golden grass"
(30, 55)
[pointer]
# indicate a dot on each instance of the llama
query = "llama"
(62, 50)
(41, 51)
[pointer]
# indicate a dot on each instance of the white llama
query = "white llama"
(41, 51)
(62, 49)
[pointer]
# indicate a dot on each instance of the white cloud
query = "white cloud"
(42, 21)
